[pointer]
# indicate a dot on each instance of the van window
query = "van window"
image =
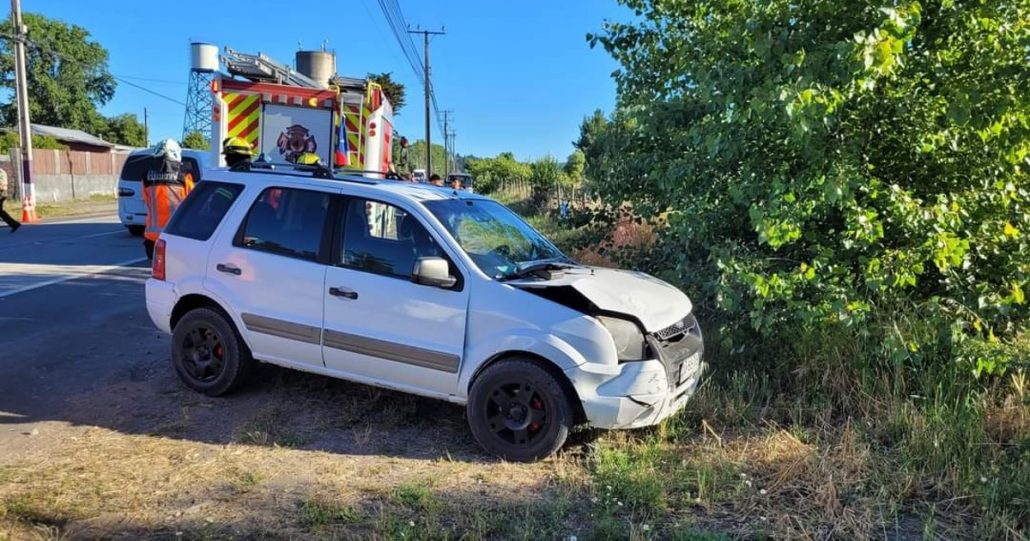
(287, 222)
(203, 210)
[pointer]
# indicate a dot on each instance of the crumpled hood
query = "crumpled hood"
(652, 301)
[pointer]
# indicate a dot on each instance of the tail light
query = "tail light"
(158, 269)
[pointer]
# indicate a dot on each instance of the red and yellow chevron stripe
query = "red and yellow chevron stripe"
(355, 115)
(244, 116)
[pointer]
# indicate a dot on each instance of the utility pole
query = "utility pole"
(24, 127)
(427, 92)
(447, 140)
(146, 128)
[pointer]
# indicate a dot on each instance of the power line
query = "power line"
(120, 78)
(400, 28)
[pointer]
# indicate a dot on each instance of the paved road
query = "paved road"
(72, 314)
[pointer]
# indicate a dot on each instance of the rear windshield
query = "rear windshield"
(136, 166)
(203, 210)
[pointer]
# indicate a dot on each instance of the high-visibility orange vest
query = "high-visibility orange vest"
(163, 192)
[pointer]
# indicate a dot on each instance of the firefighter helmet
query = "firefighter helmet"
(168, 149)
(308, 158)
(237, 145)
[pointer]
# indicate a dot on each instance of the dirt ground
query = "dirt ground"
(290, 456)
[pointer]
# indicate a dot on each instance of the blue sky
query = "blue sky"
(518, 75)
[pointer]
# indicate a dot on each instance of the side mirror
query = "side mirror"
(433, 271)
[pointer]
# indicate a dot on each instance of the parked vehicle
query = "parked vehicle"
(441, 293)
(348, 125)
(132, 211)
(465, 178)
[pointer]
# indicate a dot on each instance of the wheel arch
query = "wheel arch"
(193, 301)
(542, 362)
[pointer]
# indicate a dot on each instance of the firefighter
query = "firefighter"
(165, 185)
(236, 151)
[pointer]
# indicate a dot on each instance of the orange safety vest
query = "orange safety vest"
(163, 192)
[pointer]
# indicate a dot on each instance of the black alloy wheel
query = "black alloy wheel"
(208, 353)
(519, 411)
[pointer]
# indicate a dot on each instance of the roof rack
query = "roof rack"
(297, 170)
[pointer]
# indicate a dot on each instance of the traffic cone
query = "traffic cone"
(28, 212)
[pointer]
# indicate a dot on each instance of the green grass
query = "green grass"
(320, 513)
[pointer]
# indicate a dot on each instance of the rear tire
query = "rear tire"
(208, 354)
(135, 230)
(519, 411)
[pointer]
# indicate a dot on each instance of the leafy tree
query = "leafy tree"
(491, 174)
(11, 140)
(196, 140)
(124, 129)
(395, 92)
(67, 74)
(821, 163)
(417, 157)
(574, 167)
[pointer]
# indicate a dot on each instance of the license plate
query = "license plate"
(689, 367)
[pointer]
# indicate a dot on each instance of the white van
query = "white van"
(427, 290)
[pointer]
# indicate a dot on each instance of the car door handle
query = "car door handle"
(228, 269)
(343, 292)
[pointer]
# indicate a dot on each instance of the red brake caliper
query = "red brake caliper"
(537, 405)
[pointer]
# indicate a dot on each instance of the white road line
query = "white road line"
(100, 234)
(51, 282)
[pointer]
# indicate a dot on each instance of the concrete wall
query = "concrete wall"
(63, 175)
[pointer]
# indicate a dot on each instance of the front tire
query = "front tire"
(208, 354)
(519, 411)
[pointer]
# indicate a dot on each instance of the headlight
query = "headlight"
(629, 341)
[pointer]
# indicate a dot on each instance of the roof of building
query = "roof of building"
(66, 135)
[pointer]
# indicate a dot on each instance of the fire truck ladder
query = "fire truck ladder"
(262, 69)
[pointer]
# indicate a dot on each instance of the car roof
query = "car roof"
(356, 184)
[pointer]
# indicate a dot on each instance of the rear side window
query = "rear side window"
(137, 165)
(287, 222)
(203, 210)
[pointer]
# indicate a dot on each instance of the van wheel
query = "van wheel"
(135, 230)
(208, 354)
(519, 411)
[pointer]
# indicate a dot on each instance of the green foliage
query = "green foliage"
(196, 140)
(124, 129)
(545, 173)
(417, 157)
(820, 162)
(395, 92)
(67, 74)
(11, 140)
(491, 173)
(574, 167)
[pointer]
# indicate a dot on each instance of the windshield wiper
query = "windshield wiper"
(530, 268)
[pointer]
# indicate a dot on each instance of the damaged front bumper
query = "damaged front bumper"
(641, 393)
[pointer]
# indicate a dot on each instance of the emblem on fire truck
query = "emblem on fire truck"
(294, 141)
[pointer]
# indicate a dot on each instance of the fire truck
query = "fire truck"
(347, 122)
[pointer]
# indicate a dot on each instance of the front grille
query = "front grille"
(675, 344)
(686, 324)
